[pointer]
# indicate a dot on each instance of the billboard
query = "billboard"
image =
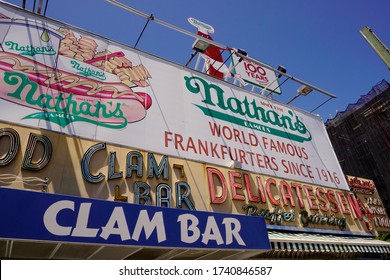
(60, 78)
(54, 217)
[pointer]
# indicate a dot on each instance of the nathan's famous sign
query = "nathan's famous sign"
(251, 114)
(63, 79)
(370, 203)
(41, 160)
(77, 85)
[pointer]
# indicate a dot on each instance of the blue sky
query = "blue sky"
(317, 41)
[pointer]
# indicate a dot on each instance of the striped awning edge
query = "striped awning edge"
(282, 241)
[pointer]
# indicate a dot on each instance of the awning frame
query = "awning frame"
(318, 243)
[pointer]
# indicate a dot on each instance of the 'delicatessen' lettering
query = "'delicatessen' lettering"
(281, 193)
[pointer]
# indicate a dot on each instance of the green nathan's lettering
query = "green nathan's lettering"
(87, 71)
(214, 96)
(26, 91)
(30, 50)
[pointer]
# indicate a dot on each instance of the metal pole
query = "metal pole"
(376, 44)
(320, 104)
(143, 30)
(123, 6)
(130, 9)
(267, 86)
(292, 99)
(39, 7)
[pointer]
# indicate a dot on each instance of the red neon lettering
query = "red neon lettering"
(251, 197)
(212, 187)
(261, 189)
(235, 185)
(298, 191)
(356, 212)
(343, 203)
(332, 200)
(310, 197)
(271, 182)
(286, 192)
(321, 197)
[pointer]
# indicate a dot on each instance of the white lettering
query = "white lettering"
(50, 218)
(117, 224)
(117, 218)
(190, 232)
(212, 232)
(186, 228)
(233, 227)
(144, 223)
(81, 228)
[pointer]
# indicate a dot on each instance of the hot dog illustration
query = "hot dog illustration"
(81, 82)
(34, 80)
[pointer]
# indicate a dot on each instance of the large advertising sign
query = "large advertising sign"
(55, 217)
(60, 78)
(47, 161)
(371, 205)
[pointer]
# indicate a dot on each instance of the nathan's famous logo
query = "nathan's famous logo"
(247, 112)
(29, 50)
(79, 91)
(87, 71)
(62, 108)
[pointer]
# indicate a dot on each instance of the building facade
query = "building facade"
(360, 136)
(108, 152)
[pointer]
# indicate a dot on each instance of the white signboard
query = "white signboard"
(62, 79)
(255, 74)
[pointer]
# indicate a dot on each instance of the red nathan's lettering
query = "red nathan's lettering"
(284, 148)
(218, 151)
(236, 135)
